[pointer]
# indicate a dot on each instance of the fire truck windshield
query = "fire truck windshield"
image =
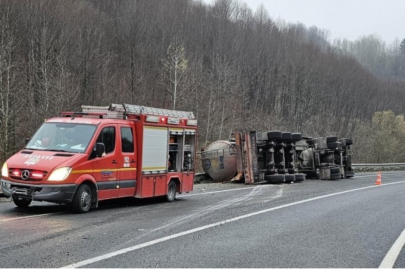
(62, 137)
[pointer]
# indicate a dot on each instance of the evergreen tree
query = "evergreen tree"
(402, 47)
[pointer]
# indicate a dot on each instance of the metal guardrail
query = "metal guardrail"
(366, 165)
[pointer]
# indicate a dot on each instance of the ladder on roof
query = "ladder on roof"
(120, 110)
(110, 114)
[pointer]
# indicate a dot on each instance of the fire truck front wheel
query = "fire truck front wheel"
(171, 191)
(82, 200)
(21, 202)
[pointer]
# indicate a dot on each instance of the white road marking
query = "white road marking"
(226, 190)
(27, 217)
(279, 193)
(216, 224)
(392, 255)
(206, 210)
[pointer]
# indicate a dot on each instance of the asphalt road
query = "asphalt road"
(346, 223)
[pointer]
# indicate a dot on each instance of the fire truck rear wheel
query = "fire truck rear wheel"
(171, 191)
(21, 202)
(82, 200)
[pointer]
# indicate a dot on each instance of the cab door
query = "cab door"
(127, 165)
(106, 167)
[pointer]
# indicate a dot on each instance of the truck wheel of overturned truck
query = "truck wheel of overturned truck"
(275, 178)
(21, 202)
(333, 145)
(286, 136)
(274, 135)
(289, 178)
(296, 137)
(348, 141)
(171, 191)
(82, 200)
(331, 139)
(299, 177)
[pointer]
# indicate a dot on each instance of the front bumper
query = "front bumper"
(48, 193)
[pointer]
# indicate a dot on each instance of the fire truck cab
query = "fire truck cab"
(104, 153)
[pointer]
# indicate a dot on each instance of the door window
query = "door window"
(127, 140)
(107, 136)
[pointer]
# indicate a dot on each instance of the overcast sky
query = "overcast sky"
(343, 18)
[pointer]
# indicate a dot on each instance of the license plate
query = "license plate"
(21, 191)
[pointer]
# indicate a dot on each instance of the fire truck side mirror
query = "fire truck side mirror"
(99, 149)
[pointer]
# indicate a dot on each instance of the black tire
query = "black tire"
(349, 174)
(171, 191)
(349, 141)
(333, 145)
(274, 135)
(334, 171)
(331, 139)
(289, 178)
(287, 136)
(336, 176)
(275, 178)
(83, 199)
(296, 137)
(299, 177)
(22, 202)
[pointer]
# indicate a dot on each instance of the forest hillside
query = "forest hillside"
(235, 68)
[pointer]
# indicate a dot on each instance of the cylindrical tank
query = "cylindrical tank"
(219, 161)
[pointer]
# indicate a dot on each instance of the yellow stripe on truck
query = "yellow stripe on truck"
(150, 127)
(153, 168)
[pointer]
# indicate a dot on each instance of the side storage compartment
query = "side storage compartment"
(147, 186)
(187, 182)
(160, 185)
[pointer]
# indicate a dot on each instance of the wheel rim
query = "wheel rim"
(85, 200)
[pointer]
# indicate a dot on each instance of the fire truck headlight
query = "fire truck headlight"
(60, 174)
(4, 170)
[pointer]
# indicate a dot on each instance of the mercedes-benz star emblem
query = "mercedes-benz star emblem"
(25, 174)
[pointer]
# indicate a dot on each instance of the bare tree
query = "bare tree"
(176, 68)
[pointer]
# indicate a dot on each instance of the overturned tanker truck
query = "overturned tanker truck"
(277, 157)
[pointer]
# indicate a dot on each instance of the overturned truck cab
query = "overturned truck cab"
(326, 158)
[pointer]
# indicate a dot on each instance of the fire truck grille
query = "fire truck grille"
(27, 174)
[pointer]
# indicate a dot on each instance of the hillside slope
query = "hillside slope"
(234, 68)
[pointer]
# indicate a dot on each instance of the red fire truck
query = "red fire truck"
(104, 153)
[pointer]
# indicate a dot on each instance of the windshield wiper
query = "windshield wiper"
(57, 150)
